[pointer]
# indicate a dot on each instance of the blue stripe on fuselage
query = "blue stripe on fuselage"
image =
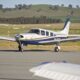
(36, 42)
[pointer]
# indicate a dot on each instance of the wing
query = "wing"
(55, 40)
(7, 38)
(74, 35)
(70, 39)
(58, 71)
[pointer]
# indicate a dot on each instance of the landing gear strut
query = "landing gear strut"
(20, 47)
(57, 48)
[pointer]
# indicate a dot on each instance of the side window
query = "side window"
(34, 31)
(51, 34)
(42, 32)
(47, 33)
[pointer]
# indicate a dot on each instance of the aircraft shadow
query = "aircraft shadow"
(24, 50)
(35, 50)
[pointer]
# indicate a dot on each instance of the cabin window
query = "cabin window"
(34, 31)
(51, 34)
(47, 33)
(21, 36)
(42, 32)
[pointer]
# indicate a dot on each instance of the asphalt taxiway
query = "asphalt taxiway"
(15, 65)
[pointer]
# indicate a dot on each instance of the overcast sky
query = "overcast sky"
(12, 3)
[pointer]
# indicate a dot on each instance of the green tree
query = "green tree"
(1, 6)
(77, 6)
(70, 6)
(62, 5)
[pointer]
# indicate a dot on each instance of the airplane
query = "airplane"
(57, 71)
(38, 36)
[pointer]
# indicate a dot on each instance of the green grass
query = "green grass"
(15, 29)
(11, 30)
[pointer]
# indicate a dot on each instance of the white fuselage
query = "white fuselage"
(40, 36)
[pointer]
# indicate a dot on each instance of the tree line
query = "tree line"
(32, 20)
(24, 6)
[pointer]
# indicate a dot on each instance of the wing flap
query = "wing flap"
(7, 38)
(55, 75)
(58, 71)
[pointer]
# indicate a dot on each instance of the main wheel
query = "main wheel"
(57, 49)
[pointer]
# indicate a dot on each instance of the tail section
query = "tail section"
(66, 27)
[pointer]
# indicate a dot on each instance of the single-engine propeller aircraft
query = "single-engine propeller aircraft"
(44, 37)
(57, 71)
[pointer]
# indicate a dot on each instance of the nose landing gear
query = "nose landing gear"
(20, 47)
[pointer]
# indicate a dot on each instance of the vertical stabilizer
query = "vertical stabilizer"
(66, 27)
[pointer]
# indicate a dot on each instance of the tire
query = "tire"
(56, 49)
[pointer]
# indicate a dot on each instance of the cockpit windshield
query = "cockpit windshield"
(34, 31)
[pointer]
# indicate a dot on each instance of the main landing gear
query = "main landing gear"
(57, 48)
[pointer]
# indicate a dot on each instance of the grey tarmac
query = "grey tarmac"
(15, 65)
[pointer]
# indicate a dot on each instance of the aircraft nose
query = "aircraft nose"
(18, 36)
